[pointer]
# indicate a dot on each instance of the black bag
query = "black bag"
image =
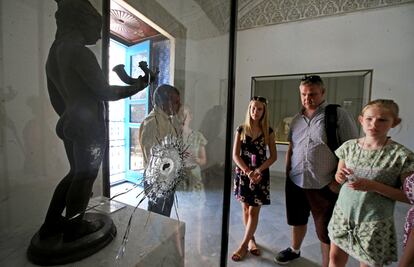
(331, 125)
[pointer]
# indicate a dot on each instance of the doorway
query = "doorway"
(133, 38)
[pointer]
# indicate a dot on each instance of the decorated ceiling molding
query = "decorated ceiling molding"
(258, 13)
(251, 14)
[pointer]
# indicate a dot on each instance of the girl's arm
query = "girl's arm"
(202, 157)
(236, 154)
(407, 258)
(341, 172)
(272, 154)
(363, 184)
(340, 177)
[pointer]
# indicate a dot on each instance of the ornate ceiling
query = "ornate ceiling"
(128, 27)
(258, 13)
(251, 14)
(268, 12)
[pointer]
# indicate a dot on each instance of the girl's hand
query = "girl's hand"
(361, 184)
(341, 175)
(255, 177)
(191, 159)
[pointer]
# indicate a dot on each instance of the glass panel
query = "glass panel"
(161, 49)
(136, 72)
(348, 89)
(137, 112)
(136, 161)
(190, 48)
(191, 54)
(142, 95)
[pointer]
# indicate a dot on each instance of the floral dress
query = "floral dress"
(362, 223)
(253, 153)
(409, 192)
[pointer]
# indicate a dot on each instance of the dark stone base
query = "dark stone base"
(53, 251)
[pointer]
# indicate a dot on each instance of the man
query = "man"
(310, 168)
(161, 121)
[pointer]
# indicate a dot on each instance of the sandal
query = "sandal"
(239, 254)
(254, 250)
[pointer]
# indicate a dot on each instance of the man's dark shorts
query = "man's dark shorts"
(300, 202)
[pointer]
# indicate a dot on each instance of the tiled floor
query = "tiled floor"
(202, 213)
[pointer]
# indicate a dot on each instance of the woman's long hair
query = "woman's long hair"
(263, 123)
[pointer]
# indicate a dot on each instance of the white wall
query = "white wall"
(206, 57)
(206, 69)
(380, 39)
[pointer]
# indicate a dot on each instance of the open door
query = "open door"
(136, 109)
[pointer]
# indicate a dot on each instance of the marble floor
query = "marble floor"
(202, 213)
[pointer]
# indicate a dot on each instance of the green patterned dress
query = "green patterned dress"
(193, 181)
(362, 223)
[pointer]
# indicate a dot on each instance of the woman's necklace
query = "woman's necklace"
(352, 177)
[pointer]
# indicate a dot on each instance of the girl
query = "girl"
(407, 259)
(251, 183)
(196, 143)
(373, 169)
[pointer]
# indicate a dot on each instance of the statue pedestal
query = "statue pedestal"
(53, 251)
(154, 240)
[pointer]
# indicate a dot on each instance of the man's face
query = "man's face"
(173, 105)
(311, 96)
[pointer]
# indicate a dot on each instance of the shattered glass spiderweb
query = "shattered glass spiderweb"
(168, 166)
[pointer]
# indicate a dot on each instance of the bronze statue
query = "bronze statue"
(78, 91)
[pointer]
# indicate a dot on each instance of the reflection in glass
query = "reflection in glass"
(350, 89)
(191, 42)
(135, 156)
(136, 71)
(137, 112)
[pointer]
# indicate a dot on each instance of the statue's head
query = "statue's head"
(79, 15)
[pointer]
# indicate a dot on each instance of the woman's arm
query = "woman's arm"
(236, 154)
(272, 154)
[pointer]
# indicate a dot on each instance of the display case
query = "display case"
(189, 45)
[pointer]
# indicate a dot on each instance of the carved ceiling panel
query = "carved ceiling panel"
(269, 12)
(251, 14)
(128, 27)
(258, 13)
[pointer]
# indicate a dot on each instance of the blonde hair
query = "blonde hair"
(263, 123)
(387, 104)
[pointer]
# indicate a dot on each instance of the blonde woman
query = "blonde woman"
(252, 181)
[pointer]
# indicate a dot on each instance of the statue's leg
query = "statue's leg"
(54, 222)
(88, 158)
